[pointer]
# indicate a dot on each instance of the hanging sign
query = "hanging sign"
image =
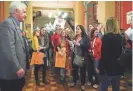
(129, 17)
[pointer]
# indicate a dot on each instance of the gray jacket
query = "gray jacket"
(12, 50)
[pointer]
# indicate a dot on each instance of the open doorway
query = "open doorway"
(49, 16)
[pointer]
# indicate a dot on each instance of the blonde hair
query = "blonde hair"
(35, 31)
(63, 30)
(112, 26)
(63, 42)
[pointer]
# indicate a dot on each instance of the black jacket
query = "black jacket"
(111, 50)
(85, 45)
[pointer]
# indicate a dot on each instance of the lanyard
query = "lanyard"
(93, 44)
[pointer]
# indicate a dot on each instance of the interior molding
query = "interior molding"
(46, 8)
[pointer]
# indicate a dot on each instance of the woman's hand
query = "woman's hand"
(40, 48)
(37, 51)
(76, 43)
(97, 70)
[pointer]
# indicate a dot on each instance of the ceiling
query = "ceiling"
(54, 4)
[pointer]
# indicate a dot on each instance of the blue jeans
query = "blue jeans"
(106, 80)
(62, 74)
(97, 79)
(46, 58)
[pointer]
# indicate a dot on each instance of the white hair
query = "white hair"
(16, 5)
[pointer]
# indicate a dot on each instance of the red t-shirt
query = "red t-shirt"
(55, 39)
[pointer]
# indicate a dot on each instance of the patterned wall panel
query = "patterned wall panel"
(118, 10)
(92, 11)
(95, 10)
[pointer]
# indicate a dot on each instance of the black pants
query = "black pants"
(37, 68)
(90, 71)
(43, 66)
(12, 85)
(82, 74)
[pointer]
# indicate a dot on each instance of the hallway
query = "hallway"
(47, 24)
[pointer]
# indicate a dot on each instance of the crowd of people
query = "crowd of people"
(94, 53)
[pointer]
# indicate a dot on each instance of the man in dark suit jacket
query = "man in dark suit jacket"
(12, 50)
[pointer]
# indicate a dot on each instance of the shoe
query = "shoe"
(95, 86)
(82, 88)
(45, 82)
(72, 85)
(89, 83)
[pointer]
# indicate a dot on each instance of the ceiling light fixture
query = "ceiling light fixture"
(59, 12)
(50, 14)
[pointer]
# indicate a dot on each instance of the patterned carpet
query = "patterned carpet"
(53, 86)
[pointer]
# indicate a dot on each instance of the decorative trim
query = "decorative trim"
(27, 26)
(121, 13)
(118, 11)
(95, 11)
(46, 8)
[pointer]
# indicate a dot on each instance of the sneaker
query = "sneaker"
(82, 88)
(95, 86)
(89, 83)
(72, 84)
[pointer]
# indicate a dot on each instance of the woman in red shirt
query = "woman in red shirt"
(96, 44)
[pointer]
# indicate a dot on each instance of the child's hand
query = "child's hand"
(58, 48)
(61, 54)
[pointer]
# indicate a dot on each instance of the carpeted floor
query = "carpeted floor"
(53, 86)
